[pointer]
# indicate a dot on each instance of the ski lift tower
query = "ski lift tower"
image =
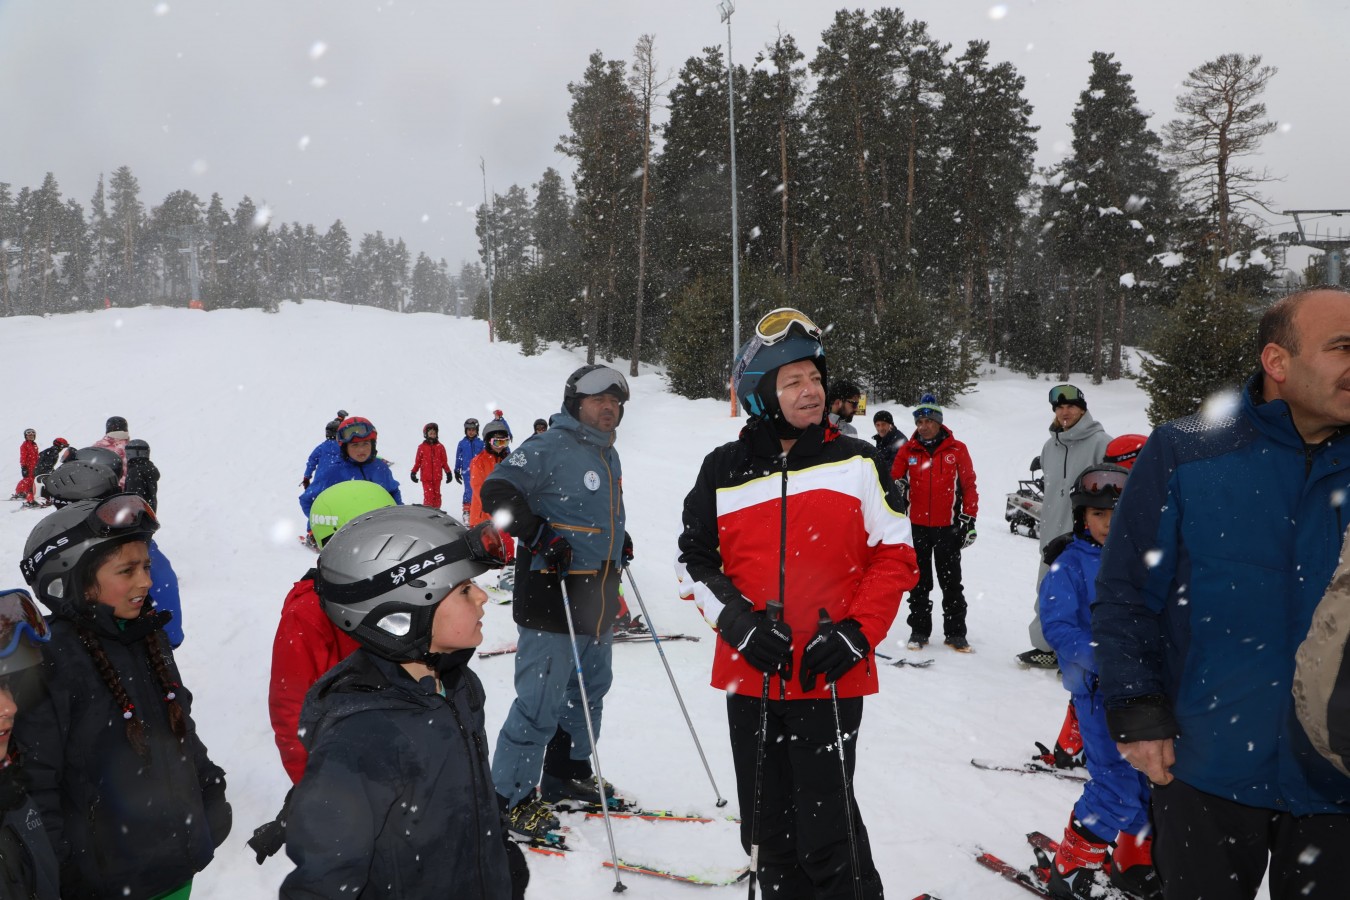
(1334, 246)
(191, 236)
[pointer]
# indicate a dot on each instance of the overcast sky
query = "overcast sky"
(378, 112)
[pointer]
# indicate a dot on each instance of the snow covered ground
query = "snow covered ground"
(232, 402)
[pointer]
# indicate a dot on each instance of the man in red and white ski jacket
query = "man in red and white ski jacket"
(847, 551)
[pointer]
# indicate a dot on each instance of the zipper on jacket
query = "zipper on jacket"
(475, 760)
(782, 567)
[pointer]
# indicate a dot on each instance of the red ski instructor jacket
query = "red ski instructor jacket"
(941, 482)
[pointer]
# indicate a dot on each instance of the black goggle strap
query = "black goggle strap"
(121, 513)
(475, 545)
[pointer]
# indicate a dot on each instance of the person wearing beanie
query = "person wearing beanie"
(540, 426)
(823, 523)
(888, 438)
(115, 439)
(935, 471)
(1076, 441)
(431, 464)
(844, 397)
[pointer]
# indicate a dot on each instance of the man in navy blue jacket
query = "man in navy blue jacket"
(1224, 540)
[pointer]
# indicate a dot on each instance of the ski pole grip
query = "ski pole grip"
(825, 618)
(774, 609)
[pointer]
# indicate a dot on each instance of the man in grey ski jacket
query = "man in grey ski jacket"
(1076, 441)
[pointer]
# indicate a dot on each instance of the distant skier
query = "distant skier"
(540, 426)
(115, 439)
(430, 463)
(28, 460)
(324, 453)
(359, 461)
(469, 446)
(142, 474)
(497, 447)
(47, 462)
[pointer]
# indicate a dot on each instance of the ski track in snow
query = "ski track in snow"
(233, 401)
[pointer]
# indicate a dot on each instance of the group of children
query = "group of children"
(136, 472)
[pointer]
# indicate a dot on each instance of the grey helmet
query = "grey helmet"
(381, 577)
(59, 545)
(138, 449)
(591, 380)
(102, 455)
(79, 480)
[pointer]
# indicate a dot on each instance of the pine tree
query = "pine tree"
(126, 222)
(1206, 345)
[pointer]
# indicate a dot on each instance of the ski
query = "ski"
(688, 878)
(1019, 877)
(553, 843)
(618, 639)
(1033, 768)
(905, 661)
(649, 815)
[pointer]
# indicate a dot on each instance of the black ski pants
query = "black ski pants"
(941, 545)
(803, 831)
(1206, 846)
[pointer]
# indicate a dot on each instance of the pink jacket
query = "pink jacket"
(116, 441)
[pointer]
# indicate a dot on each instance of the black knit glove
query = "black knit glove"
(459, 476)
(413, 476)
(764, 643)
(448, 478)
(304, 483)
(835, 648)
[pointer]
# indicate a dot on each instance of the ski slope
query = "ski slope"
(233, 401)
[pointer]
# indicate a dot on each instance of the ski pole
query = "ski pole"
(774, 608)
(656, 639)
(843, 773)
(619, 886)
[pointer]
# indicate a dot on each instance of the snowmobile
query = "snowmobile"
(1024, 504)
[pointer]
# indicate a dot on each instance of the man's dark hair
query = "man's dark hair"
(1277, 322)
(843, 390)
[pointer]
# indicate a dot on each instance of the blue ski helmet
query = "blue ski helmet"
(782, 336)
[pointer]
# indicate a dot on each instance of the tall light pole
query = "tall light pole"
(727, 7)
(487, 235)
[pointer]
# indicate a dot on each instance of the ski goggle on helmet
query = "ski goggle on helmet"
(782, 336)
(23, 631)
(381, 577)
(356, 430)
(60, 543)
(1099, 486)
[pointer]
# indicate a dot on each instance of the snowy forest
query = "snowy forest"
(886, 185)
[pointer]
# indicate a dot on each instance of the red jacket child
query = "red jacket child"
(307, 645)
(430, 465)
(28, 460)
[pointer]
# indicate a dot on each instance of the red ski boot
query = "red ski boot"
(1132, 867)
(1080, 856)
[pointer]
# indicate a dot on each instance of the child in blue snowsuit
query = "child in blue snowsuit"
(469, 446)
(1114, 803)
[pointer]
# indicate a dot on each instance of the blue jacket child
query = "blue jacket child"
(1116, 799)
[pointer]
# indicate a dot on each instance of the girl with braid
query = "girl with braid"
(132, 803)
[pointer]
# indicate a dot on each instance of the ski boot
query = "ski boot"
(561, 790)
(1068, 752)
(917, 641)
(1080, 857)
(626, 624)
(531, 820)
(1131, 868)
(959, 644)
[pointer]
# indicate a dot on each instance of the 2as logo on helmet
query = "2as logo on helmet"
(402, 572)
(30, 565)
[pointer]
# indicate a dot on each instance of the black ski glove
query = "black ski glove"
(448, 479)
(552, 547)
(413, 476)
(459, 476)
(24, 471)
(627, 548)
(269, 838)
(304, 483)
(764, 643)
(835, 648)
(965, 526)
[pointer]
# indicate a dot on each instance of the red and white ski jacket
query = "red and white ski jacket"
(28, 458)
(845, 548)
(941, 483)
(307, 645)
(430, 464)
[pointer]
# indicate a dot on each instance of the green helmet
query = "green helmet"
(341, 503)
